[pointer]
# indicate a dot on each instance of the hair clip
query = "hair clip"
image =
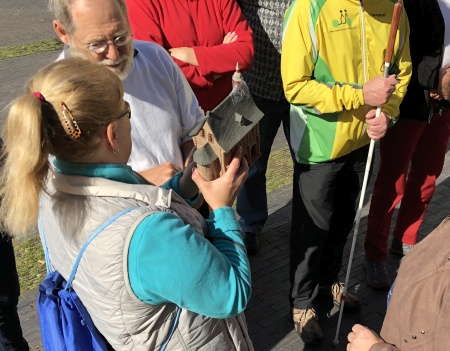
(71, 127)
(39, 96)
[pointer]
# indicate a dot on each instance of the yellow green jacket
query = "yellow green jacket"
(330, 49)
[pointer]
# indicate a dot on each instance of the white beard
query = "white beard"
(121, 73)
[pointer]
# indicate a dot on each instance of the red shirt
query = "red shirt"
(202, 25)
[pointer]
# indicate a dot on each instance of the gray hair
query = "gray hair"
(61, 10)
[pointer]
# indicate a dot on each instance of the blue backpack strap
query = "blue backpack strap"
(84, 247)
(172, 330)
(80, 254)
(89, 240)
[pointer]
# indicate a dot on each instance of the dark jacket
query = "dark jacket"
(427, 48)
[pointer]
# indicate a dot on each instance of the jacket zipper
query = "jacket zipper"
(363, 39)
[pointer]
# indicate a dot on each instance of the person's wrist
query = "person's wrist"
(217, 205)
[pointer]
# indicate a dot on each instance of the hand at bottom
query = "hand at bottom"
(362, 338)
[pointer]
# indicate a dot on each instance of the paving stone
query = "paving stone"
(296, 345)
(274, 318)
(15, 73)
(263, 340)
(284, 341)
(24, 21)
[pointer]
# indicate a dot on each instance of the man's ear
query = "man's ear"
(61, 32)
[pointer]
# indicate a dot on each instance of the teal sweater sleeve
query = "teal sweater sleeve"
(169, 262)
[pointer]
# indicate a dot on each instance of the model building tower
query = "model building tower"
(231, 124)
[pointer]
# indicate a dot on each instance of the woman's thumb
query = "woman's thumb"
(197, 178)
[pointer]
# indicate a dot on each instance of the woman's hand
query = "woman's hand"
(223, 191)
(436, 95)
(184, 54)
(362, 338)
(230, 38)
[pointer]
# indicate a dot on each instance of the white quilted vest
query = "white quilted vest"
(75, 208)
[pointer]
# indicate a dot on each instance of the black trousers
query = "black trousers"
(11, 338)
(323, 211)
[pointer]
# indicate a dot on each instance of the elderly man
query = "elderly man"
(164, 107)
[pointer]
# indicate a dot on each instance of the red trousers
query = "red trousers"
(421, 146)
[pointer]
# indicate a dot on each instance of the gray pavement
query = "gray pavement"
(268, 312)
(24, 21)
(14, 74)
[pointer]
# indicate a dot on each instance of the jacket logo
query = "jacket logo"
(343, 19)
(378, 14)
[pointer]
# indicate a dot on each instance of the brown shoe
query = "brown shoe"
(352, 302)
(307, 326)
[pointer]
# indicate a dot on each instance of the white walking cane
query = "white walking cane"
(387, 61)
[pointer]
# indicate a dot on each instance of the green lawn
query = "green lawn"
(30, 263)
(279, 170)
(7, 52)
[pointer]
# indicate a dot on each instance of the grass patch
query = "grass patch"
(7, 52)
(30, 257)
(279, 169)
(30, 263)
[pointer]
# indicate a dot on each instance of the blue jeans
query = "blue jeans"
(252, 198)
(11, 338)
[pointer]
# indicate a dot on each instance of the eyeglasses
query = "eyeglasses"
(127, 111)
(100, 46)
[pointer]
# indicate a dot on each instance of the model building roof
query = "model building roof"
(231, 122)
(205, 155)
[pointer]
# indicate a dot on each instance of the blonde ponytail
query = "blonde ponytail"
(36, 127)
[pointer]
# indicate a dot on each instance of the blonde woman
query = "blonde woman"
(150, 262)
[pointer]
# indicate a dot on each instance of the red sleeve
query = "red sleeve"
(145, 25)
(222, 58)
(193, 75)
